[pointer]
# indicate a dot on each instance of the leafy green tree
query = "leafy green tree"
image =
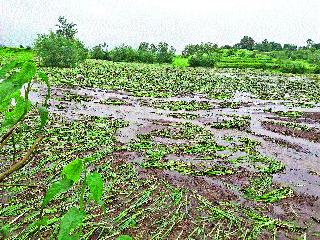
(123, 53)
(66, 29)
(246, 43)
(165, 53)
(55, 50)
(202, 48)
(202, 60)
(290, 47)
(266, 46)
(60, 48)
(100, 52)
(309, 43)
(316, 46)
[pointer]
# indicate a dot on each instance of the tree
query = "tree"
(309, 43)
(144, 46)
(100, 52)
(165, 53)
(66, 29)
(246, 43)
(60, 48)
(290, 47)
(316, 46)
(202, 48)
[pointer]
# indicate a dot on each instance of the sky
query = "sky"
(178, 22)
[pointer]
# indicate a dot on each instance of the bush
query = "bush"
(100, 52)
(165, 54)
(123, 53)
(146, 56)
(293, 68)
(146, 53)
(202, 48)
(317, 69)
(56, 50)
(202, 60)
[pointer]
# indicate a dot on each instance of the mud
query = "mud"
(298, 150)
(313, 135)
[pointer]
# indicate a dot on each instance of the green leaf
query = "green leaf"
(73, 170)
(56, 189)
(44, 116)
(5, 230)
(70, 221)
(95, 184)
(17, 112)
(42, 222)
(124, 237)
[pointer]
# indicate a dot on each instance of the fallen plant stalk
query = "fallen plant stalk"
(23, 161)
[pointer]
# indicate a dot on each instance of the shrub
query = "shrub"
(202, 60)
(293, 68)
(202, 48)
(317, 69)
(146, 53)
(123, 53)
(100, 52)
(55, 50)
(146, 56)
(165, 54)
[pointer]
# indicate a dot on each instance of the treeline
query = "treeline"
(145, 53)
(249, 43)
(61, 48)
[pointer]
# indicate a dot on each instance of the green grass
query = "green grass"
(10, 54)
(180, 62)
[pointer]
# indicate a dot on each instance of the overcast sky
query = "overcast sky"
(177, 22)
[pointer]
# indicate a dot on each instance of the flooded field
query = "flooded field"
(184, 165)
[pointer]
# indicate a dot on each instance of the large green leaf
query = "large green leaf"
(56, 189)
(17, 112)
(73, 170)
(95, 184)
(70, 221)
(14, 83)
(124, 237)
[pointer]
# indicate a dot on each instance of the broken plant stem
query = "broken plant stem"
(23, 161)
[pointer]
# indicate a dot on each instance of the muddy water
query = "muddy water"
(301, 157)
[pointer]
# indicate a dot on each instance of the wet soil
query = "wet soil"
(312, 135)
(298, 150)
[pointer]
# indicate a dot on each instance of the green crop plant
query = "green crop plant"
(71, 222)
(261, 189)
(188, 168)
(151, 80)
(16, 76)
(290, 125)
(182, 105)
(189, 116)
(237, 122)
(184, 131)
(116, 102)
(290, 114)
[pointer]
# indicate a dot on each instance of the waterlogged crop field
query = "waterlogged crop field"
(185, 153)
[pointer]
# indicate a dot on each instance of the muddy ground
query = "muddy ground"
(243, 152)
(297, 149)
